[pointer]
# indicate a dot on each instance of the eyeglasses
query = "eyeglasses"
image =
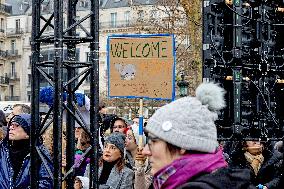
(129, 137)
(150, 140)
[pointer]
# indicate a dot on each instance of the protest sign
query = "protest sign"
(141, 66)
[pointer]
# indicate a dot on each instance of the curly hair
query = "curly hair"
(48, 139)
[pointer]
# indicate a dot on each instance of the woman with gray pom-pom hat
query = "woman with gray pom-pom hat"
(183, 149)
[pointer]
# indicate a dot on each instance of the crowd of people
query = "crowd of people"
(179, 149)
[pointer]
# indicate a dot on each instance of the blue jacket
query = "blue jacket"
(23, 179)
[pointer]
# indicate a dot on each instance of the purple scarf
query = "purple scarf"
(183, 169)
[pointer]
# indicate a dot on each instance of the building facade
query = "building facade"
(116, 17)
(7, 69)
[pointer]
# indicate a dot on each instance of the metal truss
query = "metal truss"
(77, 72)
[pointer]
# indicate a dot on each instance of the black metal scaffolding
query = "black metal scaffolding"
(243, 50)
(77, 72)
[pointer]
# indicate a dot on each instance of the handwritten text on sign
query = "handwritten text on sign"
(141, 66)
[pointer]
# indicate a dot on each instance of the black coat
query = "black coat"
(225, 178)
(270, 172)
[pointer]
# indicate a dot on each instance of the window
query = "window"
(87, 57)
(30, 61)
(13, 69)
(2, 25)
(113, 17)
(64, 23)
(84, 3)
(153, 14)
(13, 46)
(50, 55)
(11, 90)
(18, 26)
(29, 79)
(1, 45)
(140, 15)
(29, 96)
(126, 18)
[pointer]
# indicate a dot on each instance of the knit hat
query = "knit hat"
(24, 120)
(189, 122)
(117, 139)
(84, 181)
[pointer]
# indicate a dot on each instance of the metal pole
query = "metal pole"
(71, 55)
(57, 103)
(35, 47)
(94, 55)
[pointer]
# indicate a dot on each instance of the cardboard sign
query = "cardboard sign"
(141, 66)
(7, 106)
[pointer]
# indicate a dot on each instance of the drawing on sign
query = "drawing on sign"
(127, 72)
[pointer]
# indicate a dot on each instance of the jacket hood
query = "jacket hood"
(85, 181)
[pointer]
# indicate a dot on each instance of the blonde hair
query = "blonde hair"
(47, 137)
(1, 134)
(83, 141)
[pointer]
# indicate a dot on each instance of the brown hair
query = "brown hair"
(119, 165)
(172, 148)
(83, 141)
(1, 133)
(25, 109)
(118, 119)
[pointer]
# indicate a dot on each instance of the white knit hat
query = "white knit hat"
(189, 122)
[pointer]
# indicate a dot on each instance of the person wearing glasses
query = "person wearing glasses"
(182, 146)
(119, 125)
(15, 157)
(112, 170)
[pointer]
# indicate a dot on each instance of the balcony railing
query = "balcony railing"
(3, 54)
(12, 53)
(4, 80)
(117, 24)
(5, 8)
(12, 98)
(12, 76)
(15, 31)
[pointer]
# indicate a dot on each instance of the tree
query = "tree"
(183, 19)
(194, 19)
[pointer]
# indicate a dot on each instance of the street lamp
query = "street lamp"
(183, 86)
